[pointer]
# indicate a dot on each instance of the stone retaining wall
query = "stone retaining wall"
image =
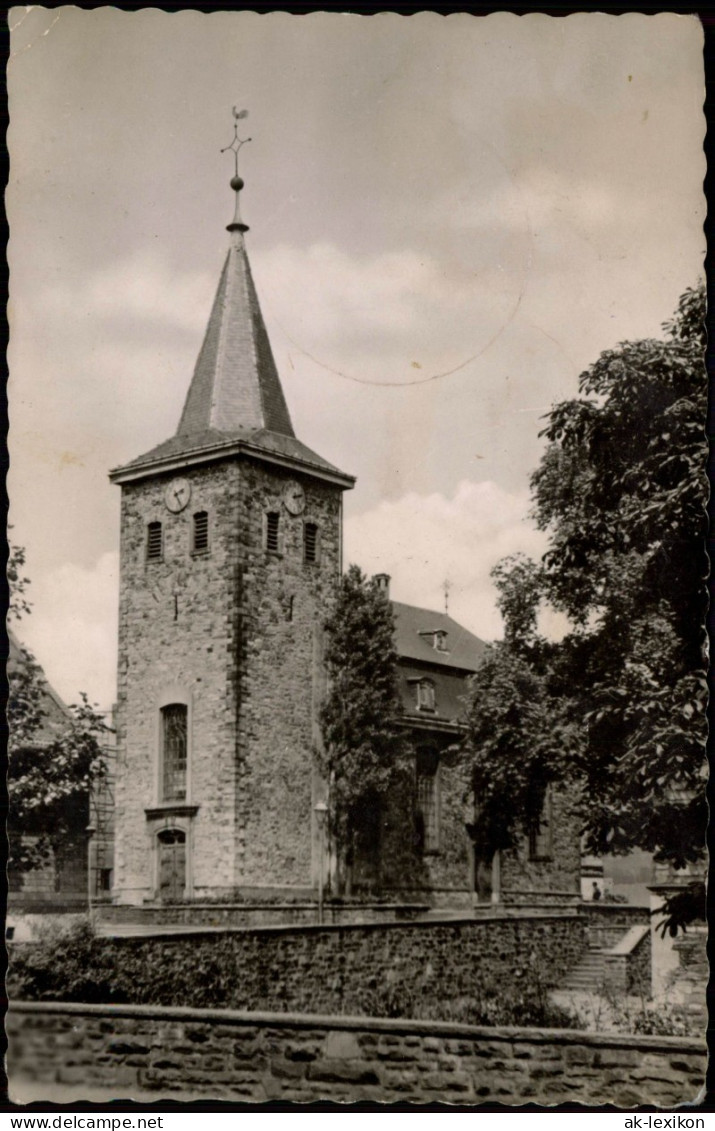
(627, 966)
(345, 969)
(607, 923)
(257, 1057)
(690, 980)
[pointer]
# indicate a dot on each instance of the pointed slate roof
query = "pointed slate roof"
(235, 384)
(235, 403)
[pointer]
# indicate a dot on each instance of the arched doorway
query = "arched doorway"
(172, 864)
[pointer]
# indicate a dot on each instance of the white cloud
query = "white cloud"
(139, 287)
(388, 317)
(422, 540)
(72, 629)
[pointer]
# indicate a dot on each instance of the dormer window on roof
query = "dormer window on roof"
(437, 637)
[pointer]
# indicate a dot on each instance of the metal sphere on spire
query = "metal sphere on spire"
(237, 224)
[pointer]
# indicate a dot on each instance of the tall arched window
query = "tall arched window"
(173, 752)
(427, 799)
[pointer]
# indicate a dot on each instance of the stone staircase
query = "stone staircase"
(588, 974)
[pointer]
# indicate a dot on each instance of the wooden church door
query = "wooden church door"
(172, 865)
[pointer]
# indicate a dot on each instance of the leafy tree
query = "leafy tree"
(513, 756)
(621, 491)
(53, 755)
(519, 733)
(365, 757)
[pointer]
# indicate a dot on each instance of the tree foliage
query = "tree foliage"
(516, 749)
(520, 736)
(681, 909)
(365, 754)
(18, 604)
(621, 492)
(53, 756)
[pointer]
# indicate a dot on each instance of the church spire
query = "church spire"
(235, 405)
(235, 386)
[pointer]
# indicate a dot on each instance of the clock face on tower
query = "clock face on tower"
(294, 498)
(177, 495)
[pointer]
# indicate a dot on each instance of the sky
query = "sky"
(450, 218)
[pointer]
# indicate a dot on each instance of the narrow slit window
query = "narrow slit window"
(272, 530)
(201, 531)
(173, 752)
(154, 541)
(541, 835)
(310, 542)
(428, 799)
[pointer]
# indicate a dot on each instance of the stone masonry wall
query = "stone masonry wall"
(177, 630)
(627, 966)
(690, 981)
(449, 870)
(639, 968)
(189, 1054)
(607, 923)
(235, 633)
(560, 872)
(284, 603)
(342, 969)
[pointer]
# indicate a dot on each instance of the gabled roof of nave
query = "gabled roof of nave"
(235, 397)
(464, 650)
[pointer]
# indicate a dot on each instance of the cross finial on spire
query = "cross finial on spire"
(447, 585)
(236, 224)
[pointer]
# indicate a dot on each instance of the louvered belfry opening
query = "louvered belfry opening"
(310, 542)
(154, 541)
(272, 532)
(201, 531)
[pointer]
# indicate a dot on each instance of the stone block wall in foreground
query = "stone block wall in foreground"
(256, 1057)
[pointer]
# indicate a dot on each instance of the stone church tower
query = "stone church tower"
(231, 538)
